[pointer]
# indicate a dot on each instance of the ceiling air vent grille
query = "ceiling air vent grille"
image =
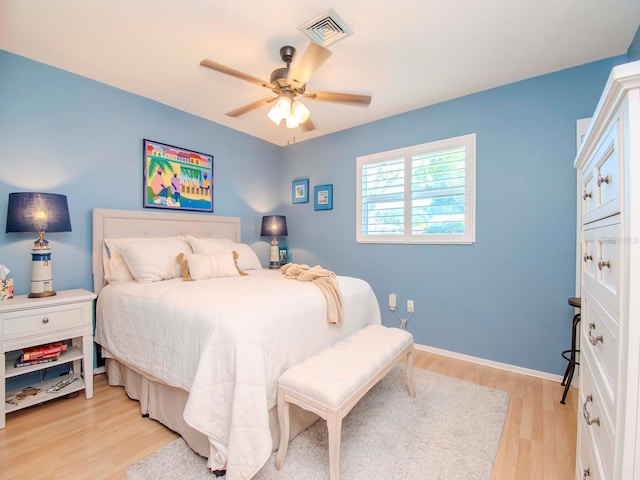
(326, 29)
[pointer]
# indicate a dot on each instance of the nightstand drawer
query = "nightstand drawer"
(41, 321)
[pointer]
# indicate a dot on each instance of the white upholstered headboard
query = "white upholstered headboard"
(107, 223)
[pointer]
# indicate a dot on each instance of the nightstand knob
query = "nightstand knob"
(45, 320)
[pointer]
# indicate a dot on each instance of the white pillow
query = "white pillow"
(213, 265)
(247, 258)
(154, 260)
(115, 268)
(208, 239)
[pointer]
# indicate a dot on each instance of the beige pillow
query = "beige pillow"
(212, 265)
(247, 258)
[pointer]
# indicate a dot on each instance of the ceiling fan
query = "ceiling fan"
(288, 83)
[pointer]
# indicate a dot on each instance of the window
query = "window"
(419, 194)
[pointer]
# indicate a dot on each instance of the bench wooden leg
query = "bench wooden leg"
(283, 418)
(334, 427)
(410, 382)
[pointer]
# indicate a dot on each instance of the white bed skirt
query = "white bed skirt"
(165, 404)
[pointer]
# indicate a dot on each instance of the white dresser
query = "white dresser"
(609, 165)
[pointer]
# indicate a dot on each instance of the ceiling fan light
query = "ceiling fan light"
(276, 115)
(292, 121)
(284, 105)
(300, 111)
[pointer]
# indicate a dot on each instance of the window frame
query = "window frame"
(468, 142)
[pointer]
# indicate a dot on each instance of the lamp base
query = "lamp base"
(274, 258)
(41, 273)
(48, 293)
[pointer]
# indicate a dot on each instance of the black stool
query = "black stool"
(570, 355)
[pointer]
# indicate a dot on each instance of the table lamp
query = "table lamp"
(274, 226)
(39, 212)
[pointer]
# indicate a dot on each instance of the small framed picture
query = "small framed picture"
(300, 191)
(323, 197)
(284, 255)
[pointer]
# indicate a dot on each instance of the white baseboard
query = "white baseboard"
(466, 358)
(491, 363)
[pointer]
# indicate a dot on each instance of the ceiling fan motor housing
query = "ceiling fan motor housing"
(287, 53)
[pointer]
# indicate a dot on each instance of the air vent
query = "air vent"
(326, 29)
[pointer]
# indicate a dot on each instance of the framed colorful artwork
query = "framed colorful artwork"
(323, 197)
(176, 178)
(300, 191)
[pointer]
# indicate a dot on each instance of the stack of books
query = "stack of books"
(40, 354)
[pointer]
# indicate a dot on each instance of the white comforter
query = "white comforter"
(226, 341)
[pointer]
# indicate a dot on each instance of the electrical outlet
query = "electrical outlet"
(392, 301)
(410, 306)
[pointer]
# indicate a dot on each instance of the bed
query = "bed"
(203, 357)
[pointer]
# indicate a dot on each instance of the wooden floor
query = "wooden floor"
(99, 438)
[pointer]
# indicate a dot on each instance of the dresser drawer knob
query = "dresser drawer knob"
(602, 179)
(586, 195)
(45, 320)
(586, 415)
(587, 257)
(592, 339)
(586, 473)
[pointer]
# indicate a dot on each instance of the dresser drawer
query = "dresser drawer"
(601, 179)
(600, 343)
(595, 419)
(589, 465)
(38, 321)
(600, 262)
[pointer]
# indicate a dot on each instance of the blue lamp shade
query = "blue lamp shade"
(274, 226)
(38, 212)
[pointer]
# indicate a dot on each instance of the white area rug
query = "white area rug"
(450, 431)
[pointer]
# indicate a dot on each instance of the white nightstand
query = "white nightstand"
(26, 322)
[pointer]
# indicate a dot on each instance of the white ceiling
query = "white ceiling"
(406, 54)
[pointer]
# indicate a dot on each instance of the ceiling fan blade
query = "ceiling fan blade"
(348, 98)
(252, 106)
(307, 126)
(234, 73)
(301, 70)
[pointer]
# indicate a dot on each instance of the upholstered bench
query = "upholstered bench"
(332, 382)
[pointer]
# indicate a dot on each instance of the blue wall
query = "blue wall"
(63, 133)
(503, 298)
(633, 53)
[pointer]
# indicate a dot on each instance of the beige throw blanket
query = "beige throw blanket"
(325, 280)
